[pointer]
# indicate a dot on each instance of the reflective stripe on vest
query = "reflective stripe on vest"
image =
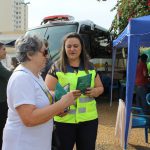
(85, 108)
(85, 99)
(80, 110)
(72, 111)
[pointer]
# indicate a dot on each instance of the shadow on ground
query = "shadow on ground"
(138, 147)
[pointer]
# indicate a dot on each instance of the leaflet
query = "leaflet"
(60, 91)
(84, 82)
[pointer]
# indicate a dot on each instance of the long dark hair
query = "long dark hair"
(1, 44)
(84, 58)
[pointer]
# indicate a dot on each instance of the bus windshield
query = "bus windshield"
(54, 36)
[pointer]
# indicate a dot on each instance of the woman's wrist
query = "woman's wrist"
(97, 91)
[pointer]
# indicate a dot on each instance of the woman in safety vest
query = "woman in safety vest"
(80, 123)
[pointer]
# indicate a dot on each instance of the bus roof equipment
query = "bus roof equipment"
(57, 18)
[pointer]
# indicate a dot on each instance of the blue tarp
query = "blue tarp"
(135, 35)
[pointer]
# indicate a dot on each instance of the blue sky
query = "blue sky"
(98, 12)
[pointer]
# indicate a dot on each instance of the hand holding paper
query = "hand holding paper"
(60, 91)
(83, 83)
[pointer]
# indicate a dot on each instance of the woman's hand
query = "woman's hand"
(90, 92)
(76, 93)
(96, 90)
(68, 97)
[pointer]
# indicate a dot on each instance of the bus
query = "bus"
(97, 39)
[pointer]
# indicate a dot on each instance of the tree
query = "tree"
(127, 9)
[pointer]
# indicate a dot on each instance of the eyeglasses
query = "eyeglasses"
(45, 52)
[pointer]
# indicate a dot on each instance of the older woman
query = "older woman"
(80, 124)
(29, 124)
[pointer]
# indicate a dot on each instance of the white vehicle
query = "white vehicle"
(96, 39)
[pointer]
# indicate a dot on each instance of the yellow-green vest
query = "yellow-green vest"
(85, 107)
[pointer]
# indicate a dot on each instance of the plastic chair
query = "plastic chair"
(140, 120)
(148, 98)
(106, 80)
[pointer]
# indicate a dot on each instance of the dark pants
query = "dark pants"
(83, 134)
(141, 98)
(3, 117)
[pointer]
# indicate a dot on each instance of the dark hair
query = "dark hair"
(1, 44)
(46, 43)
(27, 45)
(144, 57)
(63, 61)
(14, 61)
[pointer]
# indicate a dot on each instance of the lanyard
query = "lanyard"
(47, 93)
(45, 90)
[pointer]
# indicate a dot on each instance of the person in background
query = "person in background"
(4, 76)
(49, 62)
(30, 104)
(14, 63)
(141, 82)
(79, 125)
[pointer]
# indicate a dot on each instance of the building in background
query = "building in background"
(13, 24)
(14, 16)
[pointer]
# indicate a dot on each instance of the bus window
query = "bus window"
(40, 32)
(55, 35)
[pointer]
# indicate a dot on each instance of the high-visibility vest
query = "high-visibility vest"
(85, 107)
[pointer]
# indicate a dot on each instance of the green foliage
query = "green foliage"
(127, 9)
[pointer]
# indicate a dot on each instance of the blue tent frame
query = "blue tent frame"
(135, 35)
